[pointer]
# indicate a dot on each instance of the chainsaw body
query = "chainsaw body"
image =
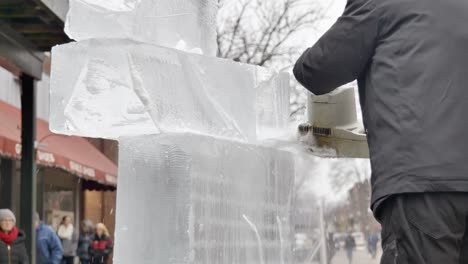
(332, 123)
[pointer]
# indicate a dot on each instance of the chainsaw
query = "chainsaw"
(333, 124)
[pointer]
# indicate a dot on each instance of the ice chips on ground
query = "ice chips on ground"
(111, 88)
(185, 24)
(196, 199)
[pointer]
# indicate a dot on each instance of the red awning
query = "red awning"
(73, 154)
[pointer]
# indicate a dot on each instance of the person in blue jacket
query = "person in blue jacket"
(49, 247)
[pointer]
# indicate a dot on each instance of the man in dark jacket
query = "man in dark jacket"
(48, 245)
(410, 60)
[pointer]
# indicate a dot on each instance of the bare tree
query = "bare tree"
(344, 173)
(262, 32)
(259, 31)
(350, 177)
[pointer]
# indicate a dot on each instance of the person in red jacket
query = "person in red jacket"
(101, 246)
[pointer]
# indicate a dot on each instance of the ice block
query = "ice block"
(185, 24)
(188, 198)
(272, 103)
(111, 88)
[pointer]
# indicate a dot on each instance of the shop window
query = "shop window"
(57, 205)
(59, 196)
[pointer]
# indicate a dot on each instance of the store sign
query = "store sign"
(90, 172)
(18, 149)
(111, 179)
(40, 155)
(45, 157)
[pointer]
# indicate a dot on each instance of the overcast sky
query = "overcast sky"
(333, 9)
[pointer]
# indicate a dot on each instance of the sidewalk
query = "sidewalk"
(360, 257)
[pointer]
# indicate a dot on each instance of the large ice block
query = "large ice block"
(183, 24)
(112, 88)
(186, 198)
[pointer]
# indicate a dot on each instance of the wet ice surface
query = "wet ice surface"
(184, 24)
(185, 198)
(121, 88)
(190, 188)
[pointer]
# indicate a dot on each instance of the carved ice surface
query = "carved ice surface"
(190, 188)
(272, 103)
(121, 88)
(186, 198)
(183, 24)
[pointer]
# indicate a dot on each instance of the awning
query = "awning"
(73, 154)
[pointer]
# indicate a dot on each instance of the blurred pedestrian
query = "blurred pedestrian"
(48, 245)
(67, 235)
(84, 241)
(12, 247)
(372, 241)
(350, 245)
(330, 247)
(101, 246)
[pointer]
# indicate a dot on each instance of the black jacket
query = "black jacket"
(17, 254)
(84, 242)
(100, 249)
(410, 60)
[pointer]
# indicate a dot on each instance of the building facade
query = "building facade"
(75, 176)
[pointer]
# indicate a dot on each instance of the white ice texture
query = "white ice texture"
(186, 198)
(184, 24)
(111, 88)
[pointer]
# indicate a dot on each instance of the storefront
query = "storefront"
(28, 31)
(58, 195)
(70, 170)
(9, 184)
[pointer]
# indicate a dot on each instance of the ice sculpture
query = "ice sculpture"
(121, 87)
(194, 184)
(184, 24)
(197, 199)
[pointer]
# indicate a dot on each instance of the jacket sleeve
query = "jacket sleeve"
(55, 248)
(65, 232)
(79, 244)
(75, 242)
(109, 247)
(343, 53)
(91, 250)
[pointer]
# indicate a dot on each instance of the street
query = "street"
(359, 257)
